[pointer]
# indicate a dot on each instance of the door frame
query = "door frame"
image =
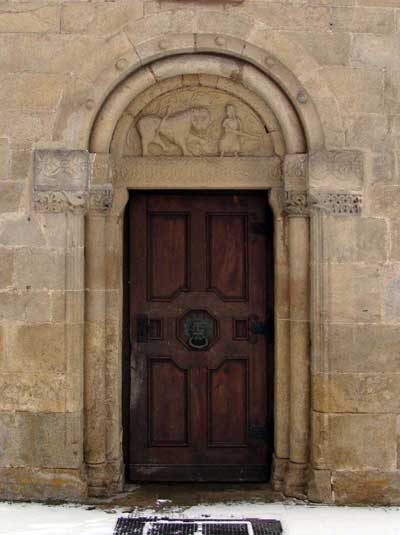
(126, 342)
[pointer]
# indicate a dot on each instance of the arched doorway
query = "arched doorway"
(171, 88)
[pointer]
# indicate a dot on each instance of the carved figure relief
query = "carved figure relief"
(198, 121)
(176, 129)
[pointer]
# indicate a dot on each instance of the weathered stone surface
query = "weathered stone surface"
(36, 348)
(358, 240)
(392, 91)
(360, 20)
(42, 484)
(4, 159)
(289, 16)
(326, 48)
(358, 91)
(357, 393)
(45, 91)
(25, 18)
(381, 168)
(44, 440)
(384, 200)
(350, 444)
(178, 21)
(99, 18)
(361, 487)
(395, 240)
(377, 51)
(3, 347)
(10, 196)
(348, 299)
(391, 293)
(21, 230)
(32, 392)
(39, 268)
(320, 487)
(6, 267)
(363, 348)
(369, 132)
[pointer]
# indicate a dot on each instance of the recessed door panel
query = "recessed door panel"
(168, 407)
(227, 255)
(228, 403)
(168, 238)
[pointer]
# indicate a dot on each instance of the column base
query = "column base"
(296, 480)
(104, 479)
(279, 470)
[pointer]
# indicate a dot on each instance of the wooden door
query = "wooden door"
(200, 283)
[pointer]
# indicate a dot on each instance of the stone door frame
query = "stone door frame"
(94, 191)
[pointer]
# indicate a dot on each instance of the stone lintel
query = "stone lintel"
(198, 173)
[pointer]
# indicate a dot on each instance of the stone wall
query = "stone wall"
(59, 60)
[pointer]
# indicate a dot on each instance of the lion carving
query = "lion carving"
(176, 128)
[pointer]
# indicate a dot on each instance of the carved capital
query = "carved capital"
(101, 198)
(60, 201)
(336, 203)
(60, 170)
(295, 171)
(296, 204)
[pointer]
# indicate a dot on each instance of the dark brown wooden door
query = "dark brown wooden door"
(200, 300)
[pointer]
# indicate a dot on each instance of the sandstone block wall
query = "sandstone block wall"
(346, 55)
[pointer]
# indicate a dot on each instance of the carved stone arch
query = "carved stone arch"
(198, 64)
(296, 74)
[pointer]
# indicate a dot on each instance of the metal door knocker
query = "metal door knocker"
(197, 329)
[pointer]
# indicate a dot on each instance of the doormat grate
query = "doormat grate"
(164, 526)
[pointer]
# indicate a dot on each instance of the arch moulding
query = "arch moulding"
(291, 170)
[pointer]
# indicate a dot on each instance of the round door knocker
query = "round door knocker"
(197, 329)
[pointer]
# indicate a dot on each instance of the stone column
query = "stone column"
(97, 359)
(299, 259)
(282, 342)
(296, 210)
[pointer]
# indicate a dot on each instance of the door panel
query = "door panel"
(200, 278)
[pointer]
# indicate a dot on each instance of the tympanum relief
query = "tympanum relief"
(198, 121)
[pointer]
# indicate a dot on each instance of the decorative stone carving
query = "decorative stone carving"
(61, 169)
(198, 121)
(59, 201)
(337, 203)
(60, 180)
(101, 198)
(176, 129)
(296, 203)
(336, 169)
(299, 203)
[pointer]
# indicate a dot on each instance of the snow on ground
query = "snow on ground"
(35, 519)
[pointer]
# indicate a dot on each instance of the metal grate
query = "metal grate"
(154, 526)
